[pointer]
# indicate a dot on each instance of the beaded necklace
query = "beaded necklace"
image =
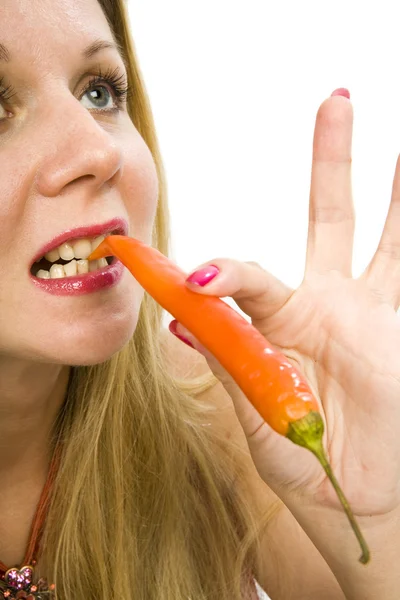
(18, 582)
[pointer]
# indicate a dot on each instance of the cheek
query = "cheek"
(13, 186)
(140, 188)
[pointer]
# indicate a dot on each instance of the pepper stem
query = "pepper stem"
(308, 432)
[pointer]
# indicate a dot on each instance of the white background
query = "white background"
(235, 88)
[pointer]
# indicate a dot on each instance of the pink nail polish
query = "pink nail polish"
(172, 328)
(203, 276)
(341, 92)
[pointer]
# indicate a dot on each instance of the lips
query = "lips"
(117, 226)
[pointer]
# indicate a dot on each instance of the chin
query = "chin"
(86, 342)
(100, 343)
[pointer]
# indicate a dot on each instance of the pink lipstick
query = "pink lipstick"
(85, 283)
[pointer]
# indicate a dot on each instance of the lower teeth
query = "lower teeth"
(72, 269)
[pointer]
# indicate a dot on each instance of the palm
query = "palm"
(342, 333)
(347, 343)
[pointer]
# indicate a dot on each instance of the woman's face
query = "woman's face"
(70, 158)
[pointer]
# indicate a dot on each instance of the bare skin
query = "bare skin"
(342, 332)
(92, 169)
(344, 335)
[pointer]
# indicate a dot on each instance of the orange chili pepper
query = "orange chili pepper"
(277, 390)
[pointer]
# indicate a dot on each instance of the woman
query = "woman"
(124, 454)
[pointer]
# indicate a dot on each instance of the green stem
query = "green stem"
(308, 432)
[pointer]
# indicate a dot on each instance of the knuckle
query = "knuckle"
(330, 214)
(254, 264)
(389, 250)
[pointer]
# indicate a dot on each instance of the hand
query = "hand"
(342, 333)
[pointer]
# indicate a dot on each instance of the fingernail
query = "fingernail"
(172, 328)
(341, 92)
(203, 276)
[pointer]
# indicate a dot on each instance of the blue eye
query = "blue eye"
(107, 92)
(98, 89)
(100, 96)
(112, 86)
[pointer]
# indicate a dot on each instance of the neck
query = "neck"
(31, 395)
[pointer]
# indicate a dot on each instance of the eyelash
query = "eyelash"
(4, 93)
(116, 80)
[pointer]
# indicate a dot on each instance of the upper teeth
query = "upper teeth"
(80, 249)
(76, 249)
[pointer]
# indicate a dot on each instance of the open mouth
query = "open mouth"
(70, 259)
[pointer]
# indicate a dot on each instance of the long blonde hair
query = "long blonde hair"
(143, 506)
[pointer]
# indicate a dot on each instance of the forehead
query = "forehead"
(40, 28)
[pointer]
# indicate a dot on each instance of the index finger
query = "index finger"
(331, 212)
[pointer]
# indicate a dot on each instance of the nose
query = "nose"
(76, 146)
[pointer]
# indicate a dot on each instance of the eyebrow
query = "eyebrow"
(87, 53)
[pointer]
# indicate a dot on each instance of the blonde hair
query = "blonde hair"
(143, 506)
